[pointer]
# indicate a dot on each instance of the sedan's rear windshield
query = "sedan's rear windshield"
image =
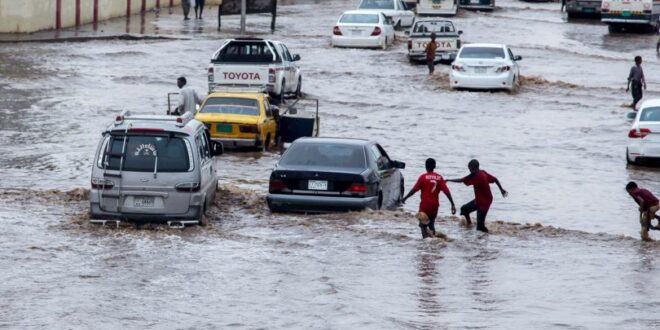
(231, 105)
(482, 52)
(650, 114)
(325, 155)
(438, 27)
(247, 52)
(359, 19)
(144, 153)
(377, 4)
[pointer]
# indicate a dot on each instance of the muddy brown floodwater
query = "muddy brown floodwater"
(564, 249)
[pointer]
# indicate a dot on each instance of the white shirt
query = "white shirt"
(188, 100)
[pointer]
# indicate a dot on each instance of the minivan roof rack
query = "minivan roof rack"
(180, 121)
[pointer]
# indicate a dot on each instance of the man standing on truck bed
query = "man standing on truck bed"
(431, 47)
(188, 98)
(637, 80)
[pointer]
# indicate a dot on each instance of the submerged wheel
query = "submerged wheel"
(384, 45)
(380, 200)
(202, 219)
(299, 88)
(282, 95)
(266, 145)
(402, 191)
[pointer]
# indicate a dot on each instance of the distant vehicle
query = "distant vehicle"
(363, 28)
(447, 39)
(254, 63)
(154, 168)
(644, 135)
(485, 66)
(583, 8)
(396, 10)
(486, 5)
(335, 174)
(624, 14)
(240, 119)
(436, 7)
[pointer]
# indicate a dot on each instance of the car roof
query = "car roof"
(246, 95)
(166, 123)
(364, 12)
(485, 45)
(650, 103)
(333, 140)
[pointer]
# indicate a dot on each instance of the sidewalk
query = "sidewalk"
(166, 24)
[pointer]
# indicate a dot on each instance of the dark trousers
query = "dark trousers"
(431, 64)
(481, 215)
(636, 92)
(431, 226)
(186, 8)
(199, 4)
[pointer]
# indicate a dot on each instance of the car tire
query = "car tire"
(402, 191)
(628, 160)
(380, 201)
(384, 45)
(202, 219)
(299, 88)
(266, 145)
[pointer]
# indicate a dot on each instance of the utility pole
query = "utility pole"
(243, 13)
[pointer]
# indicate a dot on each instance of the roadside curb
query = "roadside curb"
(94, 38)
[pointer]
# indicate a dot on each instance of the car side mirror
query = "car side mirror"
(460, 32)
(217, 148)
(397, 164)
(407, 33)
(631, 116)
(517, 58)
(296, 57)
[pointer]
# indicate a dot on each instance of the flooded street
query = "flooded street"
(564, 251)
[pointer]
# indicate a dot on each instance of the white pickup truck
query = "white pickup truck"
(447, 39)
(255, 63)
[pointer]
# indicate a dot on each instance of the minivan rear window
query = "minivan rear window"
(377, 4)
(359, 19)
(141, 153)
(325, 155)
(248, 52)
(650, 114)
(231, 105)
(482, 52)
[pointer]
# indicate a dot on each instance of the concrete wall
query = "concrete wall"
(18, 16)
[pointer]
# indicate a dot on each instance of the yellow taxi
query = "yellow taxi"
(239, 119)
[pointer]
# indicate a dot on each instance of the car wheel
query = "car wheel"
(202, 219)
(628, 160)
(299, 88)
(384, 45)
(402, 191)
(380, 200)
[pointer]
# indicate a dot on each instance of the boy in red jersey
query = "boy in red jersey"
(483, 197)
(431, 184)
(648, 207)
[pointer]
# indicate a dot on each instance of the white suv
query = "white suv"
(644, 135)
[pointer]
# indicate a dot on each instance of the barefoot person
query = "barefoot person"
(648, 207)
(483, 197)
(430, 184)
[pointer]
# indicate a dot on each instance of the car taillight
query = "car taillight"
(103, 184)
(637, 134)
(276, 185)
(187, 187)
(457, 67)
(409, 44)
(503, 68)
(336, 31)
(248, 129)
(209, 72)
(271, 75)
(376, 32)
(359, 188)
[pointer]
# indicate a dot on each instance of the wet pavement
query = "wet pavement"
(558, 146)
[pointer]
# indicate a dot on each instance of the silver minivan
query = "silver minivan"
(154, 168)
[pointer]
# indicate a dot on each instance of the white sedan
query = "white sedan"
(485, 66)
(396, 10)
(369, 29)
(644, 135)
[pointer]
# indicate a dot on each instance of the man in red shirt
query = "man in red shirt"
(648, 207)
(430, 184)
(483, 197)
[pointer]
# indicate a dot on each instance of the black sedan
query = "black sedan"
(335, 174)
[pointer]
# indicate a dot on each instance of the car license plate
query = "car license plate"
(357, 32)
(317, 185)
(474, 2)
(480, 70)
(625, 13)
(588, 10)
(143, 202)
(223, 128)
